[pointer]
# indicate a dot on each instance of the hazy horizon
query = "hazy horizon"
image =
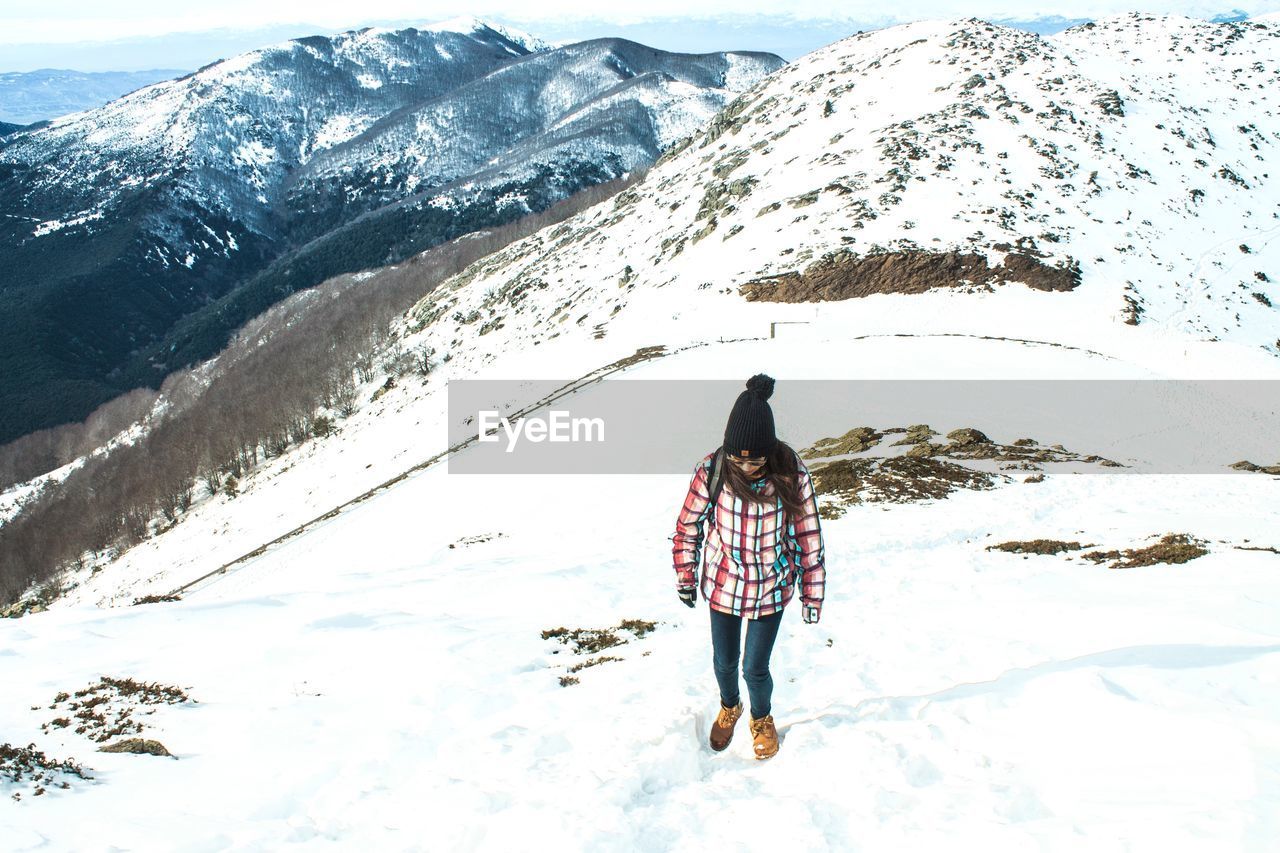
(789, 35)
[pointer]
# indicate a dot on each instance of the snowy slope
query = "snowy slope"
(382, 680)
(953, 136)
(387, 663)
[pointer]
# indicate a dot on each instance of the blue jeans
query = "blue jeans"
(726, 637)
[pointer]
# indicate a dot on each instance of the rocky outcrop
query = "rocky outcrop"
(847, 276)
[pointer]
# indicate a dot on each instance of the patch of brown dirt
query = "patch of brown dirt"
(845, 275)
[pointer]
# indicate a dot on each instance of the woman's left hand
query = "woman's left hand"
(811, 613)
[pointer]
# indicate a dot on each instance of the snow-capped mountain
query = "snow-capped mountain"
(547, 111)
(27, 97)
(125, 219)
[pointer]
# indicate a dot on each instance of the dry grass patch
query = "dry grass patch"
(592, 641)
(1268, 548)
(156, 599)
(1172, 548)
(897, 479)
(28, 765)
(106, 710)
(590, 662)
(1048, 547)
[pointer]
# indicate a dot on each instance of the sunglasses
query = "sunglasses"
(747, 463)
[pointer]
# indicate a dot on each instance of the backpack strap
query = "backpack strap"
(716, 482)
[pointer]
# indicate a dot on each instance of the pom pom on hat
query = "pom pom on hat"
(750, 431)
(762, 385)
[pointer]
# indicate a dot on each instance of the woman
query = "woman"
(764, 540)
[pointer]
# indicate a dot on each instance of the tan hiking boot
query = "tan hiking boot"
(722, 728)
(766, 736)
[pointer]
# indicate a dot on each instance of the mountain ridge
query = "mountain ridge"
(187, 191)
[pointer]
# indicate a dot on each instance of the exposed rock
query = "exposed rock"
(137, 746)
(1246, 465)
(914, 434)
(719, 197)
(21, 608)
(925, 448)
(967, 437)
(846, 276)
(1110, 103)
(855, 440)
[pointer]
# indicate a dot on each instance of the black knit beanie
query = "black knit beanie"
(749, 432)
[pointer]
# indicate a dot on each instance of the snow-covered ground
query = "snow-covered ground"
(367, 685)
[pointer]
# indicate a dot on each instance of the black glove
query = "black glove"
(688, 594)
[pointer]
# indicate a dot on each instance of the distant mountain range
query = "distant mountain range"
(31, 96)
(140, 234)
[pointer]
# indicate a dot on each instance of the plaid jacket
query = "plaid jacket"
(754, 554)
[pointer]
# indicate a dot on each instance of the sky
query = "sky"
(136, 34)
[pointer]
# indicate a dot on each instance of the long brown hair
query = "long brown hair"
(782, 469)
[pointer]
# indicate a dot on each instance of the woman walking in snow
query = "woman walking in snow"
(756, 497)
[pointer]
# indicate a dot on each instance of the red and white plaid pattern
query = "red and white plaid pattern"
(754, 553)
